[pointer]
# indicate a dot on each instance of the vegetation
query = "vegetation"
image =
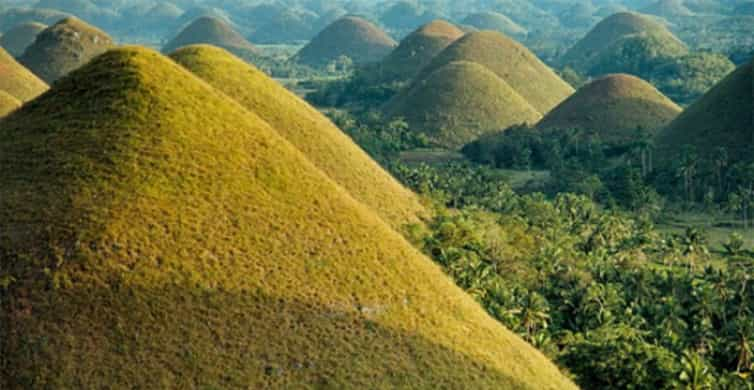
(18, 81)
(8, 103)
(17, 39)
(215, 32)
(200, 249)
(494, 21)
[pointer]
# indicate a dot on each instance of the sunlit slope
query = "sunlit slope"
(615, 106)
(510, 61)
(306, 128)
(18, 81)
(460, 102)
(156, 234)
(8, 103)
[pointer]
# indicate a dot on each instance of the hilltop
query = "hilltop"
(494, 21)
(307, 129)
(12, 17)
(510, 61)
(418, 49)
(18, 81)
(614, 106)
(215, 32)
(63, 47)
(720, 118)
(351, 36)
(177, 240)
(617, 38)
(8, 103)
(458, 103)
(17, 39)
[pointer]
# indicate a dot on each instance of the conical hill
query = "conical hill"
(174, 239)
(615, 106)
(350, 36)
(494, 21)
(212, 31)
(510, 61)
(460, 102)
(17, 39)
(18, 81)
(307, 129)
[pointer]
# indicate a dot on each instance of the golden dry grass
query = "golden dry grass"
(8, 103)
(155, 234)
(211, 31)
(18, 81)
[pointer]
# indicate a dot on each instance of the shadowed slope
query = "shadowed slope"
(351, 36)
(17, 39)
(307, 129)
(510, 61)
(174, 239)
(18, 81)
(63, 48)
(418, 49)
(460, 102)
(721, 118)
(613, 106)
(8, 103)
(211, 31)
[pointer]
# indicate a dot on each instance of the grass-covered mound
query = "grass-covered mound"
(615, 37)
(156, 234)
(614, 107)
(18, 81)
(510, 61)
(215, 32)
(64, 47)
(418, 49)
(460, 102)
(307, 129)
(352, 37)
(8, 103)
(720, 118)
(495, 21)
(17, 39)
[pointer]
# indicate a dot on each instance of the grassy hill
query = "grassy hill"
(17, 39)
(459, 102)
(510, 61)
(215, 32)
(307, 129)
(720, 118)
(351, 36)
(418, 49)
(618, 32)
(494, 21)
(613, 106)
(63, 47)
(8, 103)
(18, 81)
(669, 9)
(12, 17)
(174, 239)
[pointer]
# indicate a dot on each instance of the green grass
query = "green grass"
(307, 129)
(512, 62)
(157, 234)
(18, 81)
(460, 102)
(350, 36)
(717, 228)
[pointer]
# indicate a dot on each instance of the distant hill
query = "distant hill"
(510, 61)
(173, 238)
(8, 103)
(307, 129)
(721, 118)
(215, 32)
(17, 39)
(407, 15)
(351, 36)
(18, 81)
(458, 103)
(12, 17)
(64, 47)
(669, 9)
(418, 49)
(494, 21)
(621, 40)
(614, 107)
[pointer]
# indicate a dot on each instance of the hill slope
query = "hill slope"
(8, 103)
(510, 61)
(459, 102)
(18, 81)
(609, 36)
(307, 129)
(494, 21)
(211, 31)
(720, 118)
(418, 49)
(613, 106)
(17, 39)
(350, 36)
(63, 47)
(178, 241)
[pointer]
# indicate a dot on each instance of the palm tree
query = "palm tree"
(695, 375)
